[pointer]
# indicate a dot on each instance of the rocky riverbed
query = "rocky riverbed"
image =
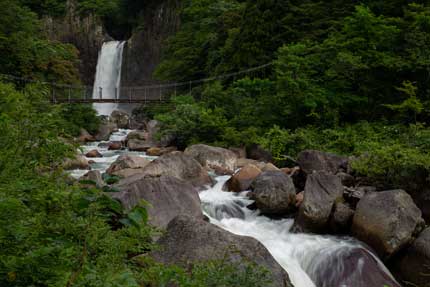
(311, 225)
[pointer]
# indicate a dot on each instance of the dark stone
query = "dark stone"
(346, 179)
(121, 119)
(256, 152)
(274, 193)
(312, 160)
(167, 197)
(350, 267)
(322, 190)
(106, 128)
(413, 265)
(341, 219)
(387, 221)
(190, 240)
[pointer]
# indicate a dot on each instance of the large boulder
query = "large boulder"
(312, 160)
(355, 267)
(387, 221)
(121, 119)
(190, 240)
(321, 192)
(137, 135)
(178, 165)
(139, 145)
(274, 193)
(219, 159)
(167, 197)
(127, 162)
(106, 128)
(79, 162)
(414, 264)
(242, 180)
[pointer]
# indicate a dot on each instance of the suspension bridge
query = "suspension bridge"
(146, 94)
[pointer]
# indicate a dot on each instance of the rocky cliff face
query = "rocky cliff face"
(143, 51)
(85, 33)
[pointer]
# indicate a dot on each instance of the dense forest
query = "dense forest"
(350, 77)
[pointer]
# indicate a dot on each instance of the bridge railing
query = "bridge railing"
(63, 93)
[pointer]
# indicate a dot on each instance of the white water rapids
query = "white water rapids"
(310, 260)
(303, 256)
(107, 82)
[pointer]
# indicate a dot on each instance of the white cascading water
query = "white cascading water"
(310, 260)
(108, 76)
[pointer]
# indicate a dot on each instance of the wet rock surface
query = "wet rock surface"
(190, 240)
(387, 221)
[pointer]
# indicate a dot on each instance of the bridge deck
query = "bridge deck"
(114, 101)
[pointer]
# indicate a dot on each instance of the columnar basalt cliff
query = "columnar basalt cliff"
(143, 50)
(87, 34)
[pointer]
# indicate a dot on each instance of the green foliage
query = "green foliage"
(191, 122)
(25, 52)
(80, 116)
(216, 273)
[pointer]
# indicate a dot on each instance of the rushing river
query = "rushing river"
(310, 260)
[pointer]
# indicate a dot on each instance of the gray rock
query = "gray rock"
(127, 162)
(414, 264)
(216, 158)
(167, 197)
(274, 193)
(106, 128)
(321, 192)
(175, 164)
(346, 179)
(312, 160)
(355, 267)
(121, 119)
(387, 221)
(189, 240)
(239, 151)
(139, 145)
(137, 135)
(341, 219)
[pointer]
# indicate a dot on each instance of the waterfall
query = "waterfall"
(108, 76)
(310, 260)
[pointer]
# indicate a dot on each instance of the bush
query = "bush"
(79, 116)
